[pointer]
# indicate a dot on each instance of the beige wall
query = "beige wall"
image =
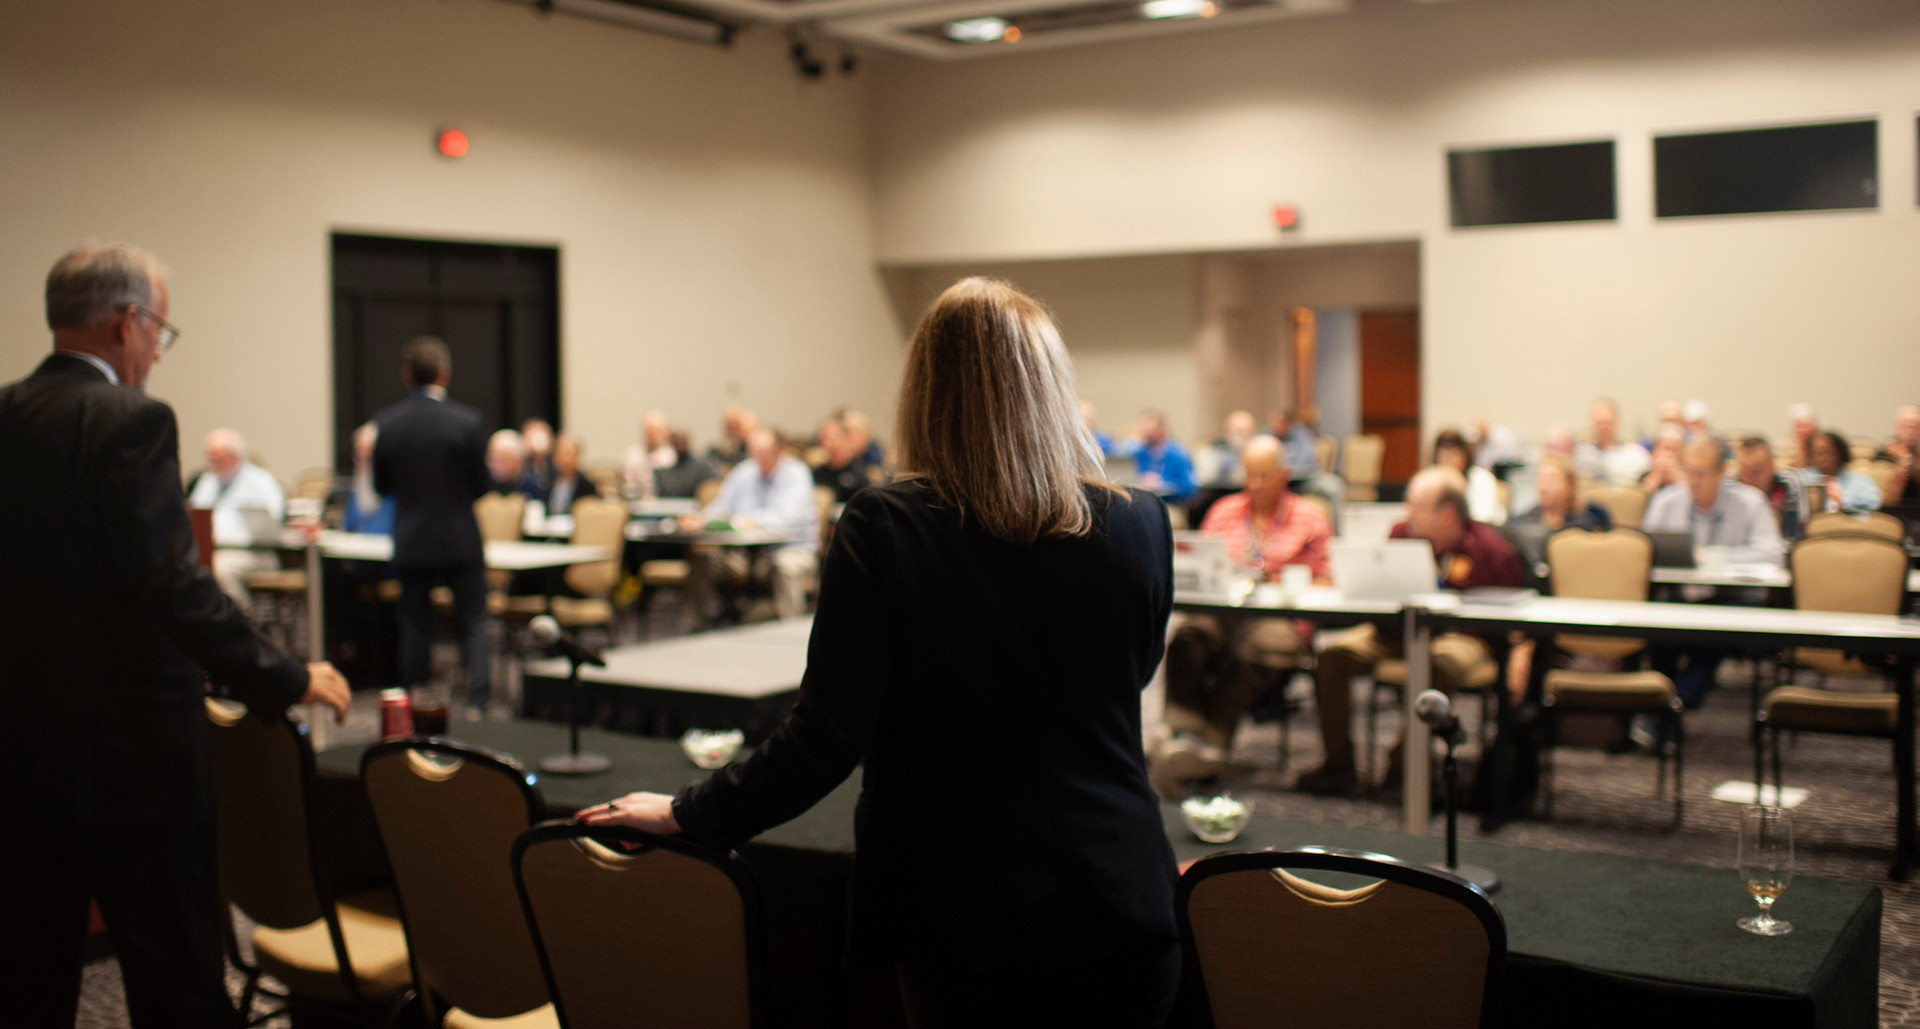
(1184, 144)
(1128, 322)
(711, 209)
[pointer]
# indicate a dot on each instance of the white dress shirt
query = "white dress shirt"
(779, 502)
(250, 486)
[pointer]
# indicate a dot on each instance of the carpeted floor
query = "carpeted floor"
(1603, 802)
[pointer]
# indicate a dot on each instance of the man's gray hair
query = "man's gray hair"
(92, 284)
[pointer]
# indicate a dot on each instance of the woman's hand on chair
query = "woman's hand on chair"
(647, 812)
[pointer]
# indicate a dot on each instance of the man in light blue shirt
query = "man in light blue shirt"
(1721, 513)
(771, 491)
(231, 483)
(1302, 462)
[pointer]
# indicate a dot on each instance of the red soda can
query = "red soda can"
(396, 714)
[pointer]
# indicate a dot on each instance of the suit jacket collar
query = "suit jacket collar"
(60, 363)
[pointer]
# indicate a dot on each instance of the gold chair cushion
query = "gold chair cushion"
(578, 611)
(1610, 648)
(1610, 691)
(663, 572)
(1797, 707)
(287, 580)
(1480, 674)
(541, 1017)
(303, 957)
(1832, 662)
(515, 605)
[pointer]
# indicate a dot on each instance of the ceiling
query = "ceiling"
(941, 30)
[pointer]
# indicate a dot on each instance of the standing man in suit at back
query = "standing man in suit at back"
(431, 458)
(109, 630)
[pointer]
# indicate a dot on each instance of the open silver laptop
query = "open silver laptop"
(262, 527)
(1200, 566)
(1388, 570)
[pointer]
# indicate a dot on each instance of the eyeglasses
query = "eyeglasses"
(168, 331)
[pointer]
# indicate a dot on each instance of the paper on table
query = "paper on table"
(1574, 611)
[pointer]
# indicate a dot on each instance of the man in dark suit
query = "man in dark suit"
(431, 457)
(109, 630)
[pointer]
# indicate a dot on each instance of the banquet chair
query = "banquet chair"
(1326, 450)
(1360, 460)
(1626, 505)
(1414, 947)
(596, 523)
(1833, 572)
(621, 918)
(1612, 565)
(448, 815)
(1872, 523)
(339, 955)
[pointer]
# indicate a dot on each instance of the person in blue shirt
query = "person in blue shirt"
(770, 491)
(1162, 463)
(365, 510)
(1297, 441)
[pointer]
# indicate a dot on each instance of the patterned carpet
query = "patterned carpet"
(1603, 803)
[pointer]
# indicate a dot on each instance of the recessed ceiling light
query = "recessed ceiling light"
(977, 30)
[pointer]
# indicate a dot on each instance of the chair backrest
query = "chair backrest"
(1872, 523)
(500, 515)
(1626, 505)
(1415, 947)
(448, 816)
(1881, 472)
(669, 926)
(1611, 565)
(1326, 450)
(260, 768)
(1858, 574)
(314, 484)
(598, 523)
(1362, 459)
(705, 491)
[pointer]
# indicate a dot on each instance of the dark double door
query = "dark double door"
(498, 308)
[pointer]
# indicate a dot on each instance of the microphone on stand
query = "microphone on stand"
(1436, 710)
(548, 633)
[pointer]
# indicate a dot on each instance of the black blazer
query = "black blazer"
(109, 626)
(431, 458)
(993, 691)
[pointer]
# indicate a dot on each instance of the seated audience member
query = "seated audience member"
(364, 509)
(1215, 667)
(1469, 555)
(1451, 450)
(1092, 415)
(230, 483)
(1303, 463)
(771, 490)
(1605, 457)
(1217, 465)
(1805, 424)
(1780, 487)
(569, 484)
(846, 470)
(1556, 509)
(1497, 448)
(1160, 461)
(1663, 468)
(688, 470)
(860, 437)
(652, 452)
(506, 462)
(736, 423)
(1696, 419)
(1719, 513)
(1669, 419)
(1847, 490)
(1904, 453)
(536, 441)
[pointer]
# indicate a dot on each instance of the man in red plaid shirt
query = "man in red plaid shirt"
(1217, 666)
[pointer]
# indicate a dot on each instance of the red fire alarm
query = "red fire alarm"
(1285, 216)
(452, 143)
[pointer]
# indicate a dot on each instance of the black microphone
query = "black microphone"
(548, 633)
(1434, 708)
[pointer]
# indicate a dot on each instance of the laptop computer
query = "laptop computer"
(1672, 549)
(1389, 570)
(1200, 566)
(261, 525)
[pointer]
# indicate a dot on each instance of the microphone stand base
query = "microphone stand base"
(575, 764)
(1485, 878)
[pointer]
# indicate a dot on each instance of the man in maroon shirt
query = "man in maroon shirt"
(1468, 555)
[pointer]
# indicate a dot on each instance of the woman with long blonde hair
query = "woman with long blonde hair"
(985, 626)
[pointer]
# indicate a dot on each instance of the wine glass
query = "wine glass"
(1766, 864)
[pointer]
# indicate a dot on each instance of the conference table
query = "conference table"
(1593, 939)
(1764, 576)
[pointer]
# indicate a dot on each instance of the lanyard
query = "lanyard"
(1254, 556)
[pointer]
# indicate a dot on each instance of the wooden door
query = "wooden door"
(1390, 389)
